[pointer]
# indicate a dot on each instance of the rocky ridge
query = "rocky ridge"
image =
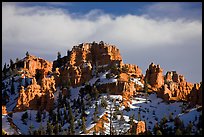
(88, 60)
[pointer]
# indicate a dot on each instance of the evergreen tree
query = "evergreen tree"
(27, 54)
(158, 132)
(11, 64)
(139, 117)
(95, 118)
(56, 129)
(104, 103)
(68, 92)
(17, 60)
(24, 117)
(49, 128)
(41, 129)
(96, 107)
(12, 86)
(71, 120)
(178, 132)
(122, 119)
(60, 99)
(38, 116)
(163, 121)
(132, 125)
(65, 113)
(4, 70)
(68, 52)
(156, 127)
(189, 128)
(177, 122)
(83, 126)
(146, 88)
(30, 129)
(82, 108)
(58, 55)
(171, 117)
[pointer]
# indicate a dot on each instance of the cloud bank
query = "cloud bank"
(43, 31)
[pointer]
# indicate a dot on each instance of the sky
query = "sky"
(165, 33)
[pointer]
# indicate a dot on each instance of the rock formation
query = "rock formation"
(31, 64)
(195, 96)
(175, 87)
(85, 60)
(37, 96)
(140, 127)
(4, 111)
(154, 76)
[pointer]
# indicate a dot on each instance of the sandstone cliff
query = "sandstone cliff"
(84, 61)
(37, 96)
(30, 65)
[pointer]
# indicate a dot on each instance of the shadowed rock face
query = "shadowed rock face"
(195, 96)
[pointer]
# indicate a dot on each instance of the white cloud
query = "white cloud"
(141, 40)
(174, 10)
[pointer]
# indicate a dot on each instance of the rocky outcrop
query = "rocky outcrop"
(37, 96)
(31, 64)
(195, 96)
(4, 111)
(154, 76)
(140, 127)
(175, 87)
(132, 70)
(86, 60)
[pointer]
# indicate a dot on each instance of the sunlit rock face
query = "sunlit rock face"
(154, 76)
(84, 60)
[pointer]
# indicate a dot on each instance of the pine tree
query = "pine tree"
(65, 113)
(171, 117)
(41, 129)
(17, 60)
(60, 99)
(24, 117)
(30, 129)
(96, 107)
(56, 129)
(27, 54)
(189, 128)
(163, 121)
(178, 132)
(68, 52)
(122, 119)
(58, 55)
(71, 120)
(158, 132)
(4, 70)
(104, 103)
(95, 117)
(139, 117)
(68, 92)
(83, 126)
(38, 116)
(11, 64)
(12, 86)
(49, 128)
(146, 88)
(82, 108)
